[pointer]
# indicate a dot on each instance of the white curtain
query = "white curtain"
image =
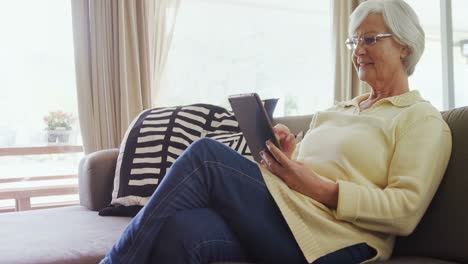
(115, 56)
(161, 28)
(346, 82)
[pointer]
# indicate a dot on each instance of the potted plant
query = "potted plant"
(59, 126)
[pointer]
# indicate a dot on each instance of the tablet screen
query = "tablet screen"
(253, 122)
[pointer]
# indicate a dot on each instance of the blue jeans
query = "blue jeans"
(213, 205)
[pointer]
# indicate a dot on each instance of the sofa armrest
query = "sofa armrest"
(96, 178)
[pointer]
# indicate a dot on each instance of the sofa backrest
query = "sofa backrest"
(443, 231)
(295, 123)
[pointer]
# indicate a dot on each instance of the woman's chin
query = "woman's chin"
(362, 76)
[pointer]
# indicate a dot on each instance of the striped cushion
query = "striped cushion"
(234, 140)
(153, 142)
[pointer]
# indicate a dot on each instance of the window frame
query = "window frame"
(448, 80)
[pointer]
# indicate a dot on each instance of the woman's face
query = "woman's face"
(380, 63)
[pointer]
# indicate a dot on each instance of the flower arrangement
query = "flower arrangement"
(59, 120)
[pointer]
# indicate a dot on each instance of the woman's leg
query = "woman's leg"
(197, 236)
(211, 175)
(354, 254)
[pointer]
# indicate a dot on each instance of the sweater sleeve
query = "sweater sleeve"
(418, 164)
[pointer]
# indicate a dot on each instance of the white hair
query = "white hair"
(401, 20)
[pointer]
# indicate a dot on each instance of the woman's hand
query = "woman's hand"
(298, 177)
(286, 139)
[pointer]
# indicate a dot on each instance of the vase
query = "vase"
(270, 105)
(58, 136)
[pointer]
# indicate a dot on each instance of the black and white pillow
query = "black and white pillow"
(153, 142)
(234, 140)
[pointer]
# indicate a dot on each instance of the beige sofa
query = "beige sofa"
(78, 235)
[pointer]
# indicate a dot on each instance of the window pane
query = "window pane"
(38, 77)
(460, 61)
(279, 49)
(427, 78)
(37, 65)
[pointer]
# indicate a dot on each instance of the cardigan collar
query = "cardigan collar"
(402, 100)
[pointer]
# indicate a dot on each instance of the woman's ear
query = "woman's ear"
(404, 52)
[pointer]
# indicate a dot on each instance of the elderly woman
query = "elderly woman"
(365, 172)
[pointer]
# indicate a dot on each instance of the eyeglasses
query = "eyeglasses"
(367, 39)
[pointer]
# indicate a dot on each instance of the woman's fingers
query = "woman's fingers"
(271, 164)
(281, 128)
(286, 139)
(279, 156)
(281, 131)
(284, 173)
(289, 141)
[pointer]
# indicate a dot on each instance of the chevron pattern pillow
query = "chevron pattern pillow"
(234, 140)
(153, 142)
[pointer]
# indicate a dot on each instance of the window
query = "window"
(460, 56)
(428, 77)
(279, 49)
(38, 77)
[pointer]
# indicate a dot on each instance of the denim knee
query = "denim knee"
(207, 148)
(172, 241)
(204, 143)
(194, 236)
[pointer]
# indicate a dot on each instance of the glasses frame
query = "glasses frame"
(353, 42)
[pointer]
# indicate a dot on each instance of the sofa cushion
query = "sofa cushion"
(443, 231)
(152, 143)
(234, 140)
(68, 235)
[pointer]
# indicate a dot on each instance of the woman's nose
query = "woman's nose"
(360, 49)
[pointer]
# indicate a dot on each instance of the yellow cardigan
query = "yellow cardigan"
(388, 161)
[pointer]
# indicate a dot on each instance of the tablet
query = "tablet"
(253, 122)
